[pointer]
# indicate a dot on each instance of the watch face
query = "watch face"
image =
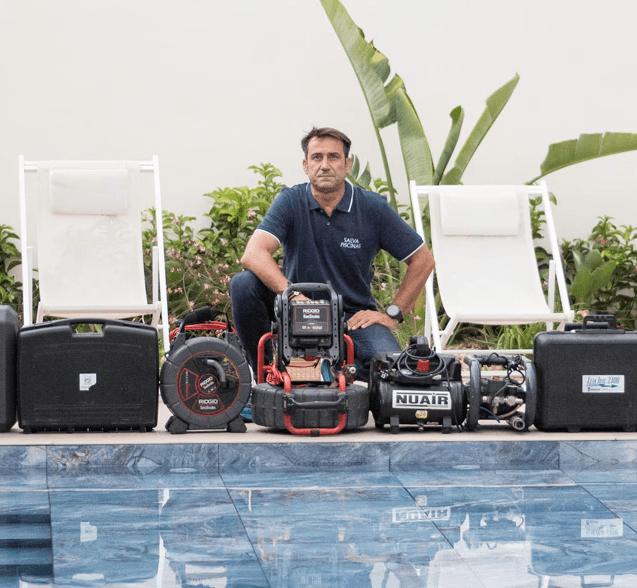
(393, 311)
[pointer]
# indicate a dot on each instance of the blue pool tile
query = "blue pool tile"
(474, 476)
(108, 478)
(23, 478)
(601, 473)
(22, 467)
(487, 455)
(619, 498)
(485, 515)
(303, 457)
(135, 459)
(112, 534)
(346, 478)
(362, 565)
(609, 557)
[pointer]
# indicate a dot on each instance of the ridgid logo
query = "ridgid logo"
(350, 243)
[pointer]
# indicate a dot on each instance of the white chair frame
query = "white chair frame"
(159, 286)
(440, 337)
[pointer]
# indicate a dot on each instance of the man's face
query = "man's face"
(326, 165)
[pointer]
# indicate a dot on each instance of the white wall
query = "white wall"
(213, 87)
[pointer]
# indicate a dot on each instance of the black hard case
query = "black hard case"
(568, 361)
(69, 380)
(8, 343)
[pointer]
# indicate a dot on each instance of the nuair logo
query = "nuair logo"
(351, 243)
(437, 400)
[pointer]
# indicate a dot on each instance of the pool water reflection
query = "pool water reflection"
(402, 527)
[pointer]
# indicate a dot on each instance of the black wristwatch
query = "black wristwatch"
(394, 312)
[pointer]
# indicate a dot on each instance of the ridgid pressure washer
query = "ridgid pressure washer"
(313, 330)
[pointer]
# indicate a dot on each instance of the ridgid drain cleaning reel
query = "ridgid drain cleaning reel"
(314, 331)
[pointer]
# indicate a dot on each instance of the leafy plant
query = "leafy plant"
(200, 263)
(389, 103)
(602, 270)
(10, 288)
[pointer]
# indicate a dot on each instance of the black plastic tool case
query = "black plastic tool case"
(107, 379)
(8, 344)
(587, 377)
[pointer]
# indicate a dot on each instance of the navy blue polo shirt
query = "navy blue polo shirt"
(341, 248)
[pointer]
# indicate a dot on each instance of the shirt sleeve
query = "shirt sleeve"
(398, 238)
(277, 220)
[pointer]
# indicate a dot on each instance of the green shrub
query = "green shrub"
(10, 288)
(602, 271)
(200, 263)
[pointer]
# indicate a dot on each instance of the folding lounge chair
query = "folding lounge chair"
(486, 268)
(88, 237)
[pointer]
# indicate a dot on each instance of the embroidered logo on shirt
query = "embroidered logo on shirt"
(351, 243)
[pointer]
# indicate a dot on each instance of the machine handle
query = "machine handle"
(308, 287)
(201, 315)
(492, 359)
(342, 421)
(603, 321)
(291, 403)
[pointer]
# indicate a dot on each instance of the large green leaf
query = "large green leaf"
(363, 180)
(413, 142)
(370, 65)
(495, 103)
(585, 148)
(457, 117)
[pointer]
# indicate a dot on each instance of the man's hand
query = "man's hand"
(365, 318)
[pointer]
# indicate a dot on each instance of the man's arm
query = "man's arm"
(257, 258)
(419, 265)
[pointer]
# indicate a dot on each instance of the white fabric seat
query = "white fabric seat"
(88, 241)
(486, 268)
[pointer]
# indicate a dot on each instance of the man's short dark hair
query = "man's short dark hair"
(319, 133)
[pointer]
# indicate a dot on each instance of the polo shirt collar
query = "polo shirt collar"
(345, 204)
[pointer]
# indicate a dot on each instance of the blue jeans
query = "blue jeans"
(253, 313)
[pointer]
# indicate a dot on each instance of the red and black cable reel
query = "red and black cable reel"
(313, 330)
(205, 381)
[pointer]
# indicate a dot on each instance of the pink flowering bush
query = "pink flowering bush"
(201, 263)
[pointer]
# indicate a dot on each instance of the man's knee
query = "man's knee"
(243, 282)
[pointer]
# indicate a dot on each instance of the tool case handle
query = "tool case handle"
(603, 321)
(73, 322)
(595, 322)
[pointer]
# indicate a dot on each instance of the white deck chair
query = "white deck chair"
(88, 236)
(486, 266)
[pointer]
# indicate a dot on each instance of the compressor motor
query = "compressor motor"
(511, 399)
(417, 387)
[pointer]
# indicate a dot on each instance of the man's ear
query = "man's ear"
(348, 165)
(305, 166)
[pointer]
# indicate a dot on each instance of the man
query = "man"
(330, 232)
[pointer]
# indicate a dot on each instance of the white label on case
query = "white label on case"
(86, 381)
(603, 384)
